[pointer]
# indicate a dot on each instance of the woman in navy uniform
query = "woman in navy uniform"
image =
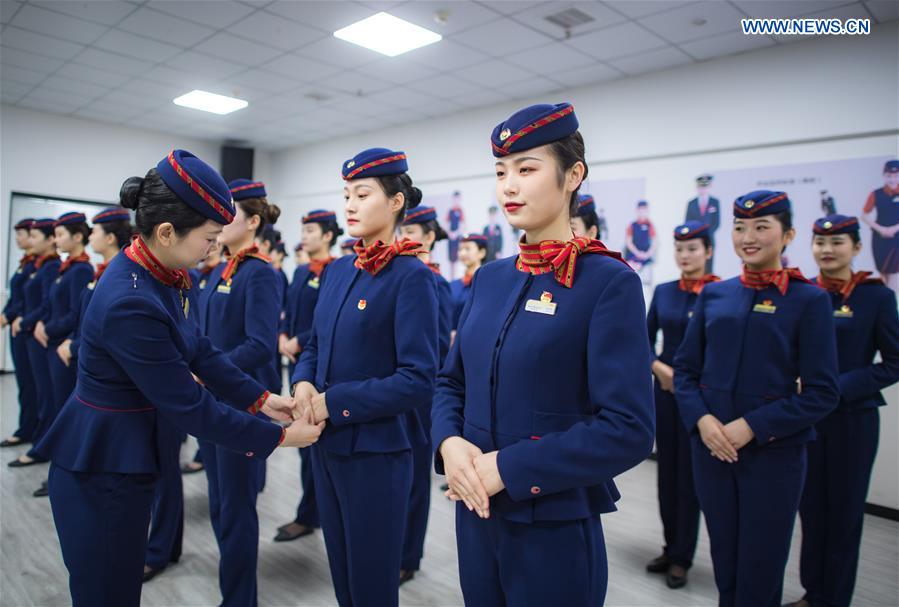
(472, 254)
(584, 222)
(420, 225)
(881, 213)
(369, 364)
(840, 460)
(137, 353)
(199, 276)
(756, 370)
(14, 308)
(320, 232)
(670, 310)
(538, 406)
(239, 313)
(347, 247)
(36, 293)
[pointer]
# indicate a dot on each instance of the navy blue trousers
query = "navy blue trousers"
(102, 520)
(678, 505)
(419, 506)
(362, 501)
(62, 378)
(167, 516)
(234, 481)
(40, 371)
(750, 509)
(833, 505)
(502, 562)
(307, 510)
(27, 388)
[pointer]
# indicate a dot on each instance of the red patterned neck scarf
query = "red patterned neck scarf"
(466, 280)
(73, 259)
(317, 266)
(559, 257)
(140, 253)
(375, 258)
(779, 278)
(235, 260)
(435, 268)
(695, 285)
(846, 287)
(26, 259)
(44, 259)
(100, 269)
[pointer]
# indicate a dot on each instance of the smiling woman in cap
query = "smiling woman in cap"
(543, 399)
(138, 352)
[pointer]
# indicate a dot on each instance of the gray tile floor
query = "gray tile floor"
(296, 573)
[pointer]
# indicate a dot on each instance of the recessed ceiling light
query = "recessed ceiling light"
(387, 35)
(210, 102)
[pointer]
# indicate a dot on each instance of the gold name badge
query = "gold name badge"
(844, 312)
(690, 314)
(314, 283)
(91, 285)
(223, 289)
(766, 307)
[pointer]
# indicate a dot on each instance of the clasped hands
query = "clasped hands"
(723, 441)
(472, 475)
(303, 429)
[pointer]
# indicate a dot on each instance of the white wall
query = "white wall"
(816, 100)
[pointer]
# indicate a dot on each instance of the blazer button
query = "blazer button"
(770, 439)
(535, 490)
(346, 413)
(249, 454)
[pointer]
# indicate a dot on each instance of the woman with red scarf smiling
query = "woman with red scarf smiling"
(368, 366)
(545, 396)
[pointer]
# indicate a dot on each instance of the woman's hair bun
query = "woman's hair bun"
(271, 213)
(414, 197)
(129, 194)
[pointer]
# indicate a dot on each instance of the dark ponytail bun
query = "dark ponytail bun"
(129, 194)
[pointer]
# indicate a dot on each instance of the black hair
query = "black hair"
(268, 213)
(785, 219)
(122, 230)
(568, 152)
(590, 221)
(395, 184)
(155, 203)
(434, 227)
(331, 226)
(271, 236)
(48, 231)
(78, 228)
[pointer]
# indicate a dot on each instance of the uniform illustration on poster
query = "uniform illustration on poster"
(706, 209)
(455, 222)
(641, 243)
(881, 212)
(828, 204)
(494, 233)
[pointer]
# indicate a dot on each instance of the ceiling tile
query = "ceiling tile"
(98, 11)
(37, 43)
(550, 58)
(89, 74)
(132, 100)
(397, 70)
(459, 15)
(21, 75)
(532, 87)
(494, 73)
(480, 98)
(183, 82)
(446, 55)
(206, 66)
(13, 88)
(325, 15)
(330, 50)
(300, 68)
(275, 30)
(584, 76)
(725, 44)
(89, 112)
(883, 10)
(132, 45)
(8, 8)
(262, 82)
(31, 61)
(354, 83)
(363, 106)
(222, 15)
(445, 85)
(616, 41)
(57, 25)
(651, 61)
(680, 25)
(512, 7)
(641, 8)
(502, 37)
(115, 111)
(55, 106)
(105, 60)
(440, 107)
(67, 101)
(76, 87)
(232, 48)
(164, 27)
(404, 98)
(602, 16)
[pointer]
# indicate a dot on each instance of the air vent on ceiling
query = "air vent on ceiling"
(317, 96)
(570, 18)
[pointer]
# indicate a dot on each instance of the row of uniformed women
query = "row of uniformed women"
(751, 370)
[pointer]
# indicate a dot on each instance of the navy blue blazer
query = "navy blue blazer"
(868, 324)
(302, 295)
(241, 319)
(444, 318)
(670, 311)
(460, 296)
(65, 301)
(373, 350)
(15, 305)
(37, 294)
(137, 353)
(566, 398)
(743, 352)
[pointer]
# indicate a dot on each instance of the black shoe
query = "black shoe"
(13, 443)
(286, 536)
(658, 565)
(44, 491)
(149, 575)
(405, 576)
(19, 464)
(188, 469)
(676, 581)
